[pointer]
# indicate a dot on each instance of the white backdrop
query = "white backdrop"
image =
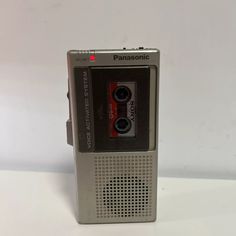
(198, 77)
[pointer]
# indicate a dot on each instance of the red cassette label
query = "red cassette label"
(122, 109)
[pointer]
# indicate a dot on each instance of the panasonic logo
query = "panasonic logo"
(128, 58)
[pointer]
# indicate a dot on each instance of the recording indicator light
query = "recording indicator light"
(92, 58)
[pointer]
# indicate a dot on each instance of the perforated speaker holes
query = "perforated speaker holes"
(123, 186)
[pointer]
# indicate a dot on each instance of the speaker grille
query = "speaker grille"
(123, 186)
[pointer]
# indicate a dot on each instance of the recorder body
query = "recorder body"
(113, 98)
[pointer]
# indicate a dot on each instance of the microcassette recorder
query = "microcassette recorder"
(113, 127)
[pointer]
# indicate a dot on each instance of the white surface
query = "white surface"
(197, 101)
(34, 203)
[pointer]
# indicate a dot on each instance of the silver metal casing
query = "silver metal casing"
(115, 187)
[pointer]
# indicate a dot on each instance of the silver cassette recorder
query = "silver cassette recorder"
(113, 127)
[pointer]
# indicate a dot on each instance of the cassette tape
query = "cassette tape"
(113, 107)
(122, 109)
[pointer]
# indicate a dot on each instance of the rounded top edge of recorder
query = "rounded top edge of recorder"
(127, 50)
